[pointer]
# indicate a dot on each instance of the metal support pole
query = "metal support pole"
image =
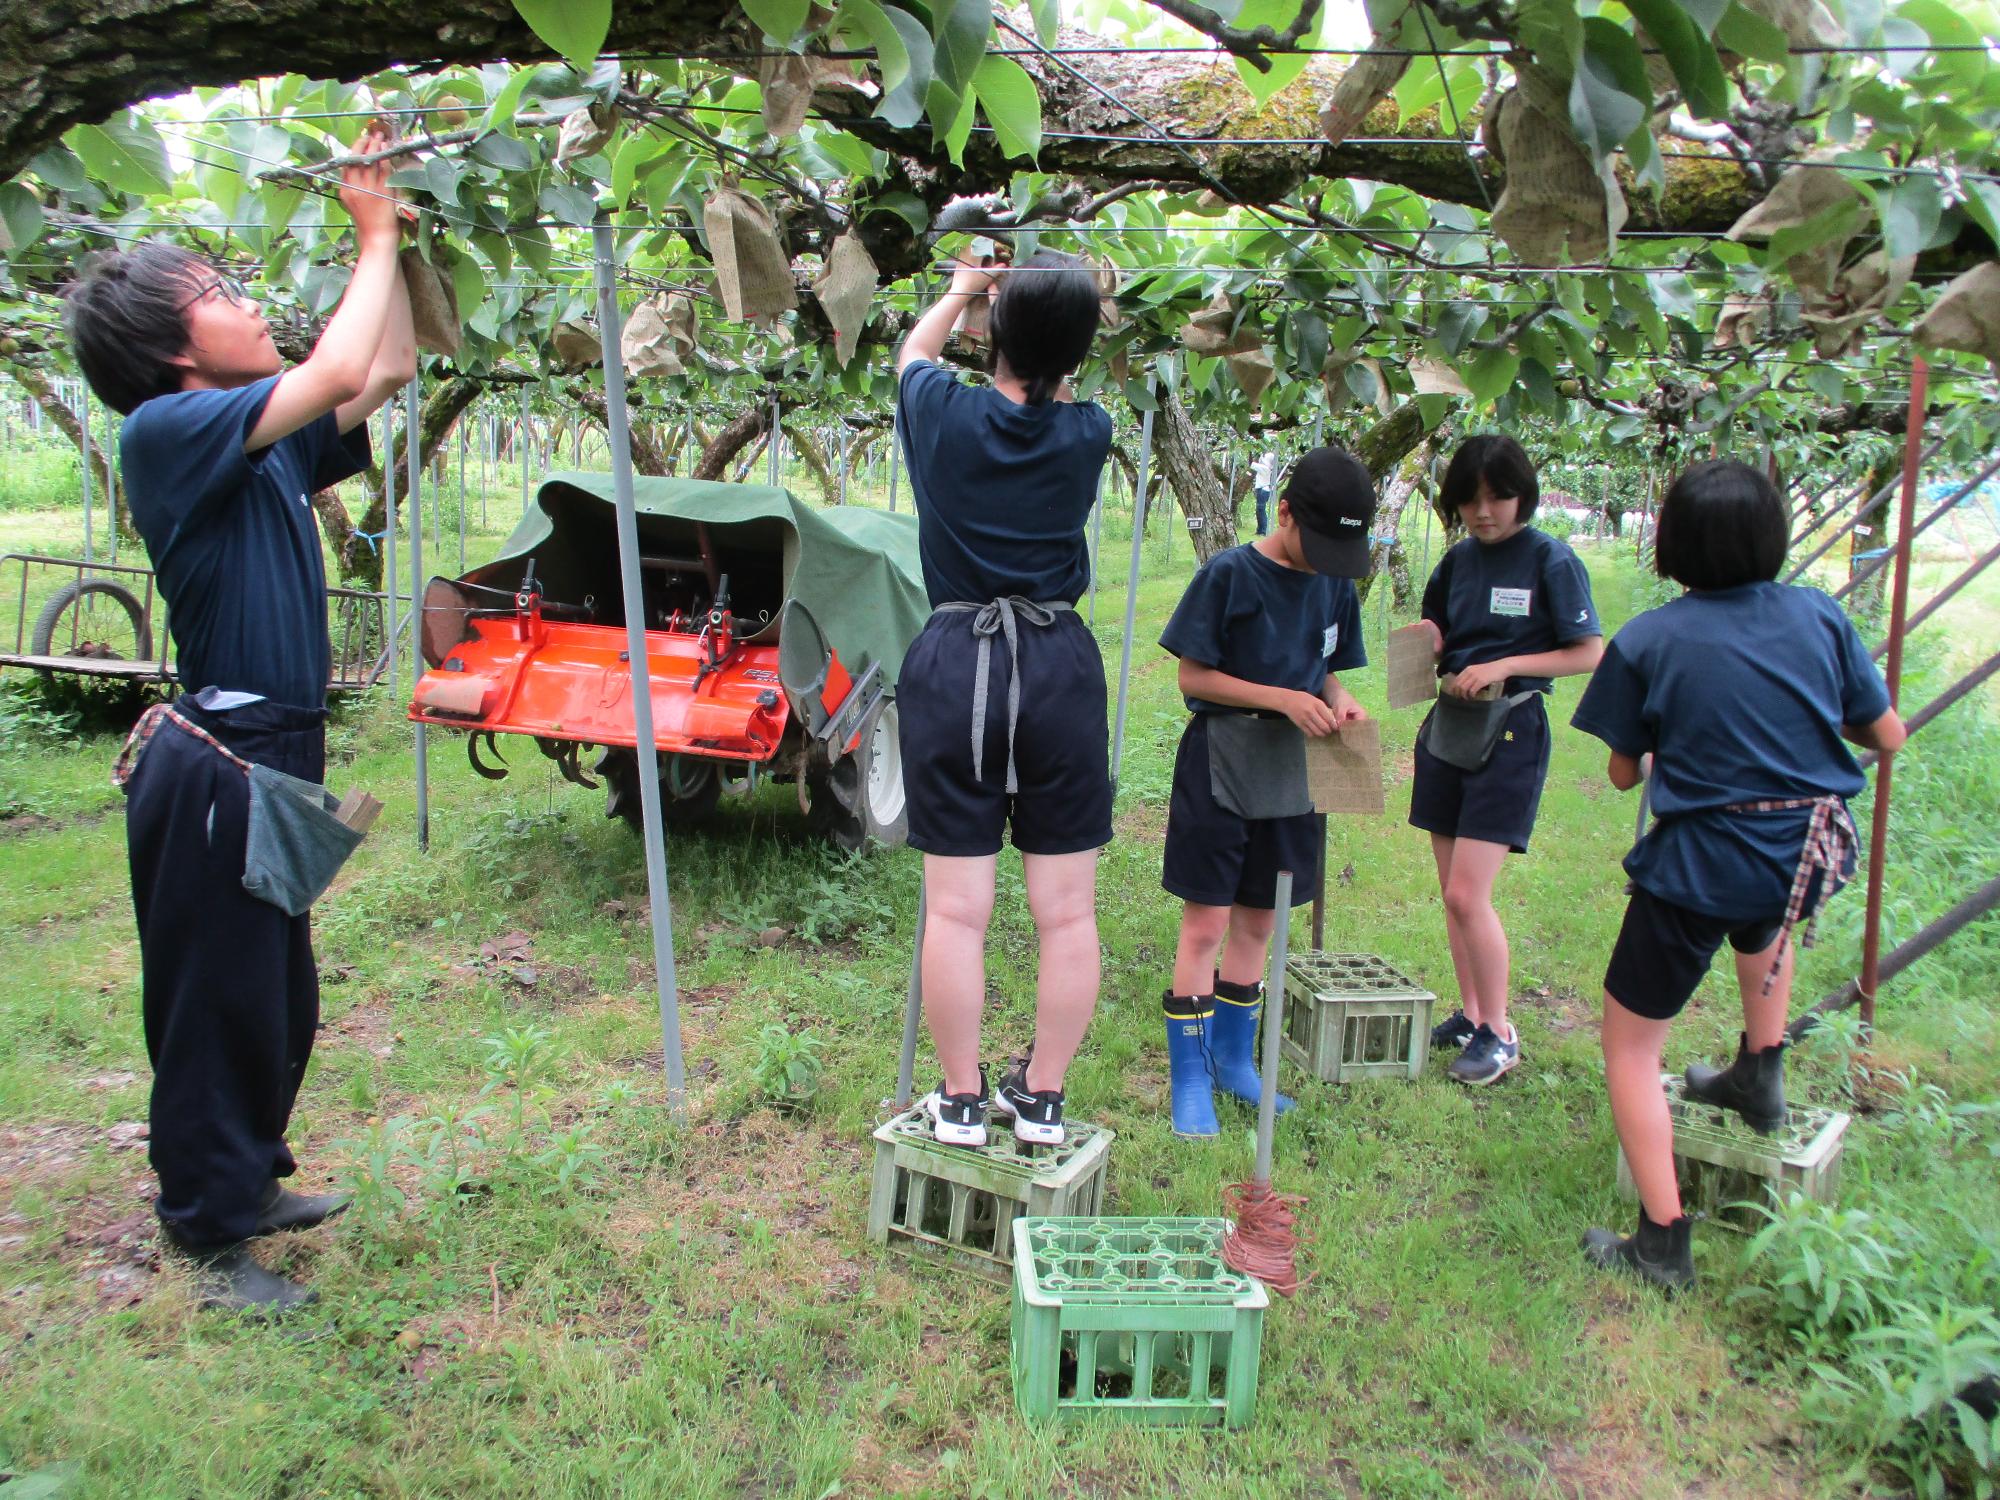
(1319, 894)
(522, 450)
(609, 333)
(895, 454)
(1899, 606)
(1132, 584)
(777, 436)
(88, 554)
(394, 620)
(1274, 1001)
(906, 1064)
(413, 414)
(464, 441)
(1945, 594)
(843, 465)
(1905, 953)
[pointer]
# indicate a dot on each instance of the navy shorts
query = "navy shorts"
(1497, 802)
(1062, 760)
(1663, 950)
(1216, 858)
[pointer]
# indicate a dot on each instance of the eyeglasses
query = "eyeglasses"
(229, 286)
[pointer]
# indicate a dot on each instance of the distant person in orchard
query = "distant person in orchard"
(1001, 698)
(1262, 634)
(1737, 696)
(1508, 610)
(222, 450)
(1263, 479)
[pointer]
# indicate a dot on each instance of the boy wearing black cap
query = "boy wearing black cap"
(1261, 634)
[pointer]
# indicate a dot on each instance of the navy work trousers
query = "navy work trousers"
(231, 988)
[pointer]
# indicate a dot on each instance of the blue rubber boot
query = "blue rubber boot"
(1193, 1092)
(1232, 1042)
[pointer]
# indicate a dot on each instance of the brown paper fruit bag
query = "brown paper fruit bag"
(752, 272)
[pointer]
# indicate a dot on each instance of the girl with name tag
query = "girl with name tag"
(1741, 692)
(1509, 610)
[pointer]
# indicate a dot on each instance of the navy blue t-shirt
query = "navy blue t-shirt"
(234, 540)
(1003, 490)
(1740, 695)
(1519, 597)
(1264, 622)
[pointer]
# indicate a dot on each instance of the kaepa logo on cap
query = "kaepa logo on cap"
(1349, 521)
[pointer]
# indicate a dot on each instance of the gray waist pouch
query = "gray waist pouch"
(295, 844)
(1257, 767)
(1462, 732)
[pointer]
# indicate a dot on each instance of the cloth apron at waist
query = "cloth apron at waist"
(1831, 842)
(1002, 617)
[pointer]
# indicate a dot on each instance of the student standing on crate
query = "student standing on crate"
(222, 448)
(1740, 692)
(1002, 696)
(1509, 610)
(1261, 634)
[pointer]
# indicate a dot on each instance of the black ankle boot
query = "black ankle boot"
(228, 1278)
(1659, 1253)
(1753, 1086)
(284, 1209)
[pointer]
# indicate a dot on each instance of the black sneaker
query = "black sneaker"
(1455, 1032)
(1038, 1113)
(957, 1119)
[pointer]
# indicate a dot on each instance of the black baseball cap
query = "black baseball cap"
(1332, 497)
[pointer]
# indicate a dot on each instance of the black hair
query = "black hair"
(1043, 320)
(1502, 463)
(1722, 524)
(126, 323)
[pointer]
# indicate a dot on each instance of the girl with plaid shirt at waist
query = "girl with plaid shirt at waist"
(1741, 693)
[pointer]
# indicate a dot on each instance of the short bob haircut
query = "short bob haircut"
(126, 322)
(1044, 320)
(1722, 524)
(1502, 463)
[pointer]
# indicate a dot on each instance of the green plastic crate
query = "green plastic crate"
(959, 1204)
(1135, 1321)
(1352, 1015)
(1726, 1168)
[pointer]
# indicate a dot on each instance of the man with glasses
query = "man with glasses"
(222, 449)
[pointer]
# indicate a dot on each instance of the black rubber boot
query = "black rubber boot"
(1659, 1253)
(230, 1280)
(284, 1209)
(1753, 1086)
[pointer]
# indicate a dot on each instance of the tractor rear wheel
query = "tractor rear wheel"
(860, 799)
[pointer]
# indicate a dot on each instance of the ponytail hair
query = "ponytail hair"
(1043, 321)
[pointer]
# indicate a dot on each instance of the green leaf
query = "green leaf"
(959, 130)
(1012, 104)
(903, 105)
(1139, 397)
(559, 200)
(500, 113)
(1742, 30)
(908, 205)
(1553, 32)
(961, 28)
(1910, 213)
(1609, 96)
(468, 281)
(1539, 384)
(20, 217)
(780, 19)
(1362, 383)
(892, 58)
(1491, 373)
(441, 175)
(634, 152)
(1689, 53)
(1285, 66)
(124, 153)
(1048, 20)
(1458, 324)
(1310, 338)
(574, 28)
(1841, 220)
(60, 169)
(504, 152)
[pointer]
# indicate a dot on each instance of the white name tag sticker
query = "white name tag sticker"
(1330, 641)
(1511, 602)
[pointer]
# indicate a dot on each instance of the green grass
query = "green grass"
(698, 1313)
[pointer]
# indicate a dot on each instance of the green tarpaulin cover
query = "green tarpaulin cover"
(855, 569)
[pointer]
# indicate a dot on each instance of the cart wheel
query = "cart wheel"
(860, 800)
(92, 629)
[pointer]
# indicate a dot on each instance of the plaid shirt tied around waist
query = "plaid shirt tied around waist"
(1830, 840)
